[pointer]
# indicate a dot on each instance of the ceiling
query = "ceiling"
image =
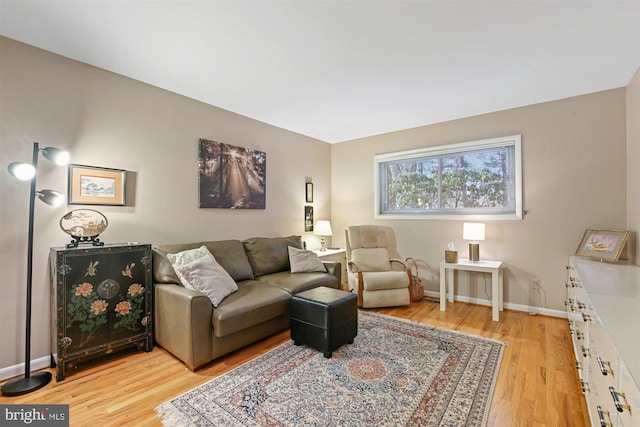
(342, 70)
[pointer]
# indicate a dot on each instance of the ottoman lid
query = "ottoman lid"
(324, 295)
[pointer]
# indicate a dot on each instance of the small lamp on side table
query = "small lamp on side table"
(474, 232)
(323, 229)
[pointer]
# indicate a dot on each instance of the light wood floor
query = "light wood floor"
(537, 384)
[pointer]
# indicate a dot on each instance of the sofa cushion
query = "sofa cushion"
(229, 254)
(303, 261)
(232, 257)
(252, 304)
(294, 283)
(270, 254)
(207, 276)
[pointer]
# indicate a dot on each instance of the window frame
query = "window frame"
(511, 140)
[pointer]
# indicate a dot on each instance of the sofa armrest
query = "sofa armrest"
(335, 268)
(182, 322)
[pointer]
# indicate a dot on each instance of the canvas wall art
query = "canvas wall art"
(231, 177)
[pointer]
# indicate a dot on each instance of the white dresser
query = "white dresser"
(603, 306)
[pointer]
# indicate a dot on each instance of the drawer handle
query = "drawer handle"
(585, 352)
(586, 317)
(585, 386)
(581, 305)
(616, 400)
(578, 365)
(603, 368)
(601, 414)
(579, 335)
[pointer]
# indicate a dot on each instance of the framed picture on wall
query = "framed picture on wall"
(309, 192)
(308, 218)
(91, 185)
(605, 245)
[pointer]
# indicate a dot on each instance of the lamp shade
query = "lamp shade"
(323, 228)
(56, 155)
(51, 197)
(22, 171)
(473, 231)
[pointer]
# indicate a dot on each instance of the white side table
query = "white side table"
(336, 255)
(482, 266)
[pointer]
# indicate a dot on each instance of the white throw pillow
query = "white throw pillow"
(179, 259)
(302, 261)
(207, 276)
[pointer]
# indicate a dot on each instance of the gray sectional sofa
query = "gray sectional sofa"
(185, 321)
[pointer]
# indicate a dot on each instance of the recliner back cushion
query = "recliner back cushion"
(367, 236)
(270, 254)
(371, 259)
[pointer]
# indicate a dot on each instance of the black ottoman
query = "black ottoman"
(324, 318)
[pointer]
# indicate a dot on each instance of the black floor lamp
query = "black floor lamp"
(25, 171)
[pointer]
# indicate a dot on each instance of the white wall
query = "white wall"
(574, 178)
(111, 121)
(633, 163)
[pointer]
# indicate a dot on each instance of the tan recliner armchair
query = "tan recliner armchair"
(381, 281)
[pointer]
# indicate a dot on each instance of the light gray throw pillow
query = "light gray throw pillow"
(207, 276)
(302, 261)
(180, 259)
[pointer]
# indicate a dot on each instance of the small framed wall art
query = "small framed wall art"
(309, 192)
(308, 218)
(90, 185)
(605, 245)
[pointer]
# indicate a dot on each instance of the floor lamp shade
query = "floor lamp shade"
(33, 381)
(474, 232)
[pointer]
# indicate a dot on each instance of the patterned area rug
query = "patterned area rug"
(396, 373)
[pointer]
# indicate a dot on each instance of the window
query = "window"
(479, 178)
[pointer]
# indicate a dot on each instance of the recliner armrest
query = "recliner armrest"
(352, 266)
(399, 261)
(182, 323)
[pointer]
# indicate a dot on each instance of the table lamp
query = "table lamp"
(474, 232)
(323, 229)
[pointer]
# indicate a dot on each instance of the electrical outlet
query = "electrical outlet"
(534, 283)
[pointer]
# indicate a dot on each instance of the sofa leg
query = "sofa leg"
(327, 354)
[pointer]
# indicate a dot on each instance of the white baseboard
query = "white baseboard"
(517, 307)
(15, 370)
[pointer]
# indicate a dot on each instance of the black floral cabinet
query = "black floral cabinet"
(101, 302)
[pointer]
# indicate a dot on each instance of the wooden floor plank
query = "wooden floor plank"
(537, 384)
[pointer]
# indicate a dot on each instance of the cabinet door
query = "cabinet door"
(103, 298)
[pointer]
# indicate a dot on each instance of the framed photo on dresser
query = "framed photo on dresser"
(605, 245)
